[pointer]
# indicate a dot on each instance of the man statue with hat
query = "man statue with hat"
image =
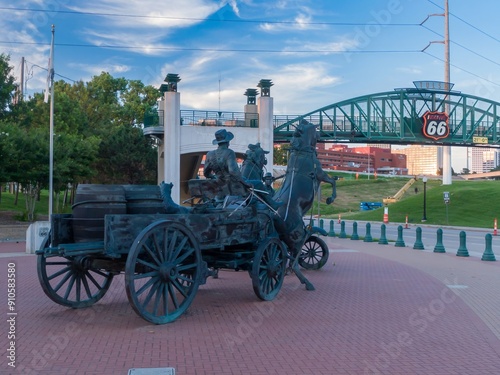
(268, 183)
(221, 165)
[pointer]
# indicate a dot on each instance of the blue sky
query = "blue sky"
(316, 52)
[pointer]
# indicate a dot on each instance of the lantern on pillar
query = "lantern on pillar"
(171, 83)
(265, 87)
(251, 94)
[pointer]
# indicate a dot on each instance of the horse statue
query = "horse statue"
(302, 179)
(254, 162)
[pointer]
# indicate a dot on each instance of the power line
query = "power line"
(464, 47)
(41, 67)
(464, 70)
(206, 49)
(100, 14)
(467, 23)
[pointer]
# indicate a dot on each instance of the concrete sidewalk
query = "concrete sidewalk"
(377, 309)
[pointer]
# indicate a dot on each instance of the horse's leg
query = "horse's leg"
(296, 270)
(295, 248)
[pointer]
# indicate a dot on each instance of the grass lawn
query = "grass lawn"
(472, 203)
(19, 211)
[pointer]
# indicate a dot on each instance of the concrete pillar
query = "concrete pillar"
(172, 142)
(266, 135)
(35, 235)
(251, 114)
(161, 163)
(447, 165)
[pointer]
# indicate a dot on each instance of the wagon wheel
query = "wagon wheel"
(71, 281)
(268, 270)
(314, 254)
(163, 271)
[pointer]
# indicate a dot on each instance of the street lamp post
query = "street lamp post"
(424, 218)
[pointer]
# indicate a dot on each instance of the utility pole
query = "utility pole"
(445, 151)
(21, 86)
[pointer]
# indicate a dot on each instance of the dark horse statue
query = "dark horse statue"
(302, 179)
(254, 162)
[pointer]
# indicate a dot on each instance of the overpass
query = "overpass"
(404, 116)
(428, 114)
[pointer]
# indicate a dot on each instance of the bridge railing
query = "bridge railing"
(155, 118)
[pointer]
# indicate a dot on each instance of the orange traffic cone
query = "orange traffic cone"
(339, 219)
(495, 227)
(386, 215)
(406, 222)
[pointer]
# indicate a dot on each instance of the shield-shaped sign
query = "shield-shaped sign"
(436, 125)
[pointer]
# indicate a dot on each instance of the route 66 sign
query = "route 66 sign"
(436, 125)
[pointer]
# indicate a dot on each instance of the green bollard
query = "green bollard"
(332, 231)
(321, 224)
(399, 241)
(311, 222)
(488, 254)
(368, 236)
(439, 248)
(462, 249)
(355, 235)
(419, 245)
(383, 239)
(342, 234)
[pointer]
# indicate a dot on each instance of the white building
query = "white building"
(420, 160)
(483, 159)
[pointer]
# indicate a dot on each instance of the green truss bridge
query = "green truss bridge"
(426, 116)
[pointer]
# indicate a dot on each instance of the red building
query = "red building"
(361, 159)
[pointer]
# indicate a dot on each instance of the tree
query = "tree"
(280, 155)
(126, 156)
(137, 99)
(7, 84)
(97, 136)
(30, 163)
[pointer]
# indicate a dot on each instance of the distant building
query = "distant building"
(361, 159)
(483, 159)
(420, 160)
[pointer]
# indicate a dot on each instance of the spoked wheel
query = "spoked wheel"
(268, 270)
(314, 254)
(71, 281)
(163, 271)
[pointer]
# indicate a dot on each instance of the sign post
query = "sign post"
(446, 197)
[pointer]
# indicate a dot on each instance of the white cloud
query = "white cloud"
(302, 21)
(410, 70)
(136, 14)
(324, 48)
(106, 66)
(142, 23)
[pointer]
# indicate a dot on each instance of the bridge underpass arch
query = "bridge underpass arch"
(433, 117)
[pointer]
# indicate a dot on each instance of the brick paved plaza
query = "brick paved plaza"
(377, 309)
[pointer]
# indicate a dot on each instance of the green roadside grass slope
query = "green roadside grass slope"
(472, 203)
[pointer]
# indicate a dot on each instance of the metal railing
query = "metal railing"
(155, 118)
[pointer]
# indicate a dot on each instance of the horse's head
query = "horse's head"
(257, 155)
(305, 137)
